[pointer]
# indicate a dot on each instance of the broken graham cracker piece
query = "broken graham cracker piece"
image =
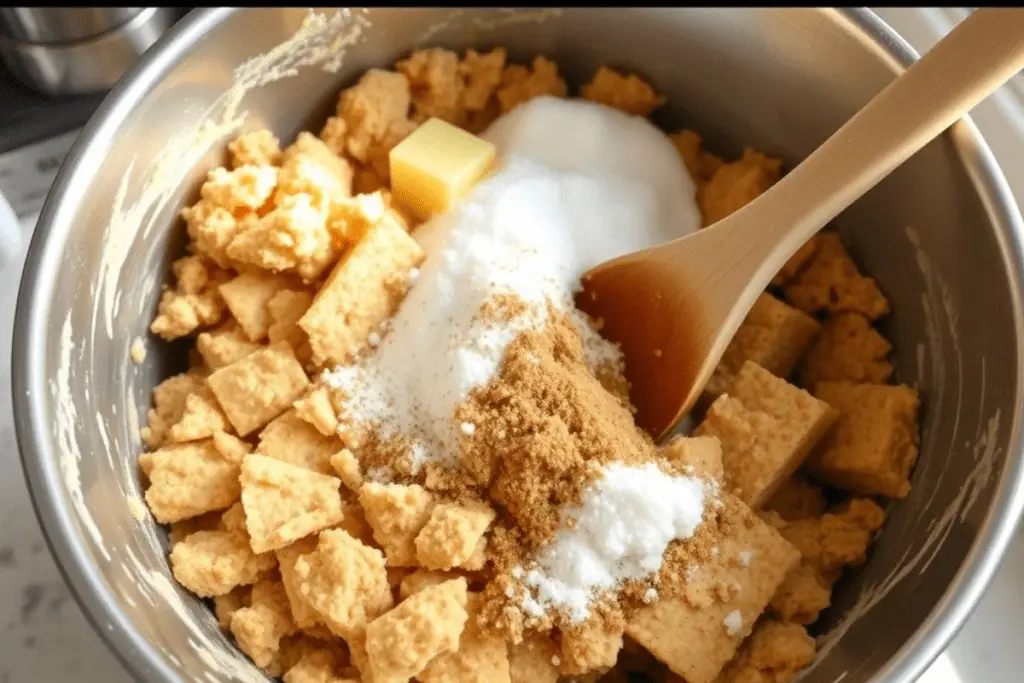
(225, 345)
(397, 514)
(874, 443)
(200, 419)
(695, 641)
(345, 582)
(831, 282)
(791, 268)
(187, 480)
(284, 503)
(479, 657)
(848, 349)
(317, 409)
(776, 652)
(346, 466)
(452, 534)
(415, 581)
(303, 614)
(291, 439)
(592, 646)
(736, 184)
(211, 563)
(362, 291)
(169, 399)
(767, 427)
(400, 643)
(630, 94)
(533, 660)
(225, 606)
(699, 455)
(318, 666)
(839, 538)
(797, 498)
(437, 165)
(258, 628)
(247, 296)
(802, 596)
(774, 335)
(258, 388)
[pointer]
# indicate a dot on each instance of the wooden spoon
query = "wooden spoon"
(675, 308)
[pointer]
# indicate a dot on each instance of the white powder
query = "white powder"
(745, 557)
(650, 596)
(578, 183)
(733, 622)
(627, 519)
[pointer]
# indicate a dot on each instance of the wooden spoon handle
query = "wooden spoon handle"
(979, 55)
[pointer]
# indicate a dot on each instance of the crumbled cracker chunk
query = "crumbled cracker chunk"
(255, 148)
(521, 84)
(258, 628)
(258, 388)
(481, 74)
(360, 293)
(693, 641)
(378, 104)
(186, 480)
(802, 596)
(797, 498)
(701, 164)
(225, 345)
(532, 660)
(590, 647)
(701, 455)
(317, 666)
(211, 563)
(169, 399)
(831, 282)
(355, 523)
(247, 296)
(767, 427)
(181, 530)
(736, 184)
(194, 302)
(397, 514)
(837, 539)
(874, 443)
(225, 606)
(201, 418)
(436, 87)
(286, 308)
(774, 335)
(402, 642)
(415, 581)
(848, 349)
(303, 614)
(345, 582)
(317, 409)
(284, 503)
(211, 229)
(346, 466)
(247, 187)
(311, 167)
(630, 94)
(452, 534)
(291, 439)
(293, 237)
(795, 264)
(775, 653)
(478, 658)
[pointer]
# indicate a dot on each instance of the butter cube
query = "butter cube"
(437, 165)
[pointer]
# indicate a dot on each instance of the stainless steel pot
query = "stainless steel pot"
(61, 24)
(942, 235)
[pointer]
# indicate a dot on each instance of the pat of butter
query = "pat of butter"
(437, 165)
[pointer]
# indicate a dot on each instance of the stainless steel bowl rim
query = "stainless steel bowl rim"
(29, 374)
(138, 18)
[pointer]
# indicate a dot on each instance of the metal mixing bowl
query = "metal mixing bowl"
(942, 235)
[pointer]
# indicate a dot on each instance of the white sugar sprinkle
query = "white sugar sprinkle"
(733, 622)
(468, 428)
(627, 519)
(745, 557)
(373, 339)
(650, 596)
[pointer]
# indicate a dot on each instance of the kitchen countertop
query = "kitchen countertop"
(45, 639)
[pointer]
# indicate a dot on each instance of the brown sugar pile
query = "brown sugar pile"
(329, 557)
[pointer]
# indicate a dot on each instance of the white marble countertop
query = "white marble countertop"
(45, 639)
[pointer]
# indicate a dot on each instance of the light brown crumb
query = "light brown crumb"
(452, 534)
(284, 503)
(630, 94)
(520, 84)
(593, 646)
(402, 642)
(255, 148)
(345, 582)
(258, 628)
(397, 514)
(832, 282)
(210, 563)
(774, 653)
(291, 439)
(137, 352)
(189, 479)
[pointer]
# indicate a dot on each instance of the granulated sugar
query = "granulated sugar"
(578, 183)
(621, 531)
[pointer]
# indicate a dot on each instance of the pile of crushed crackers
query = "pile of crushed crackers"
(327, 563)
